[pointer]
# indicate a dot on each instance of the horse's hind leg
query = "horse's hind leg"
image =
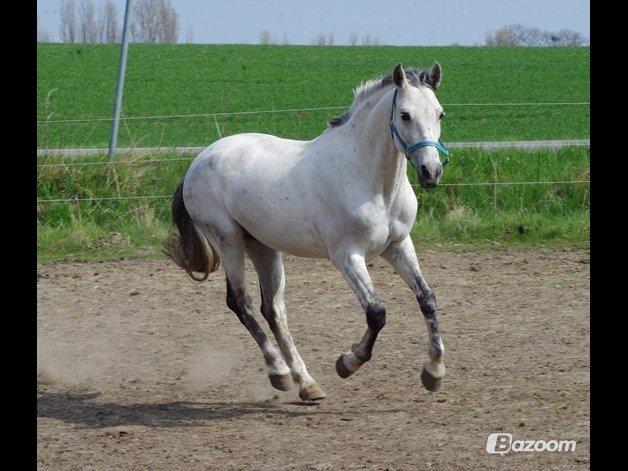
(269, 266)
(229, 243)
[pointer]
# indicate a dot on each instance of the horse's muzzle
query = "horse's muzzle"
(429, 178)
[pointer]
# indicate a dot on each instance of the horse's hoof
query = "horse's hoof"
(430, 382)
(281, 382)
(341, 369)
(347, 364)
(312, 393)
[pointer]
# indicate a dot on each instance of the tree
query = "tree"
(319, 40)
(67, 17)
(88, 28)
(330, 39)
(169, 23)
(265, 37)
(42, 33)
(567, 37)
(353, 39)
(324, 39)
(369, 40)
(189, 35)
(109, 30)
(154, 21)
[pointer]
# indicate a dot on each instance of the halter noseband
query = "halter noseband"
(408, 149)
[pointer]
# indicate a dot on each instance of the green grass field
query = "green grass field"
(449, 216)
(77, 82)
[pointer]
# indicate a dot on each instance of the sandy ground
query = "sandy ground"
(139, 367)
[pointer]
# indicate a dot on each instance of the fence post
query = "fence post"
(124, 47)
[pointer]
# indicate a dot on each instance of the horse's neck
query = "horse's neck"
(383, 164)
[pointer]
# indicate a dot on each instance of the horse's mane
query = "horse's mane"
(415, 77)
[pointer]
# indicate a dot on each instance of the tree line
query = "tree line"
(156, 21)
(508, 35)
(152, 21)
(322, 39)
(519, 35)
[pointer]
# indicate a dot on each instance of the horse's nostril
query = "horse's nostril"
(425, 173)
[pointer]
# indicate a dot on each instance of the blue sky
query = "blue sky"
(396, 22)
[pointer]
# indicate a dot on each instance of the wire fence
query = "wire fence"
(492, 120)
(261, 112)
(137, 197)
(288, 110)
(114, 162)
(48, 153)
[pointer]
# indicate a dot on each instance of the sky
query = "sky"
(394, 22)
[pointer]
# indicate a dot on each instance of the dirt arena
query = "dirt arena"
(139, 367)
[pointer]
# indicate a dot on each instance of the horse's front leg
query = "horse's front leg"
(353, 268)
(402, 256)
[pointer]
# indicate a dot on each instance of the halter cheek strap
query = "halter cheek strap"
(409, 149)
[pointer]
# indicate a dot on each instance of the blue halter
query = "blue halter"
(409, 149)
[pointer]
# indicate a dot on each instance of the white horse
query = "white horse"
(344, 196)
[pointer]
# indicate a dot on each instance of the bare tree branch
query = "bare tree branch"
(42, 33)
(154, 21)
(189, 35)
(369, 40)
(67, 17)
(88, 28)
(109, 27)
(323, 39)
(265, 37)
(169, 23)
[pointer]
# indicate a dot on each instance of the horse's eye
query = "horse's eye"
(405, 116)
(442, 113)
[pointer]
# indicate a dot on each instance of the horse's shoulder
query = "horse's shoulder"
(404, 208)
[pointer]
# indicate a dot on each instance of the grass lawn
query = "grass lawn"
(77, 82)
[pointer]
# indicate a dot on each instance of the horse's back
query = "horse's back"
(245, 163)
(260, 181)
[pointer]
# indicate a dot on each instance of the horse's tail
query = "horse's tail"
(190, 249)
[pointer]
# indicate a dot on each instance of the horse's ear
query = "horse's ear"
(399, 76)
(434, 75)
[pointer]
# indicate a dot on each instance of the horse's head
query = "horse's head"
(415, 121)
